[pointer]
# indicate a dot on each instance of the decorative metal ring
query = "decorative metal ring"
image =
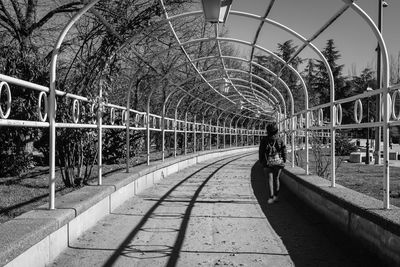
(8, 93)
(395, 115)
(294, 123)
(339, 114)
(300, 122)
(320, 117)
(389, 99)
(112, 116)
(311, 119)
(46, 107)
(358, 111)
(123, 117)
(75, 111)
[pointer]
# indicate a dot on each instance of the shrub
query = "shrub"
(344, 146)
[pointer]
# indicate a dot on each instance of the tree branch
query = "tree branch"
(67, 8)
(7, 18)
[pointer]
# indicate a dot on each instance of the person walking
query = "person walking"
(272, 156)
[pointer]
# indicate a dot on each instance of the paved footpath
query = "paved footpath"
(212, 214)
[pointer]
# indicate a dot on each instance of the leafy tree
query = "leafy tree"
(311, 81)
(332, 55)
(285, 51)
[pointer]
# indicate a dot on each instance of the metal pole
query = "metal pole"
(224, 138)
(185, 141)
(100, 136)
(293, 137)
(367, 145)
(210, 133)
(379, 84)
(202, 134)
(52, 103)
(148, 134)
(163, 133)
(175, 131)
(127, 122)
(194, 135)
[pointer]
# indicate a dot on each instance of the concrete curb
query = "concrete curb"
(356, 214)
(37, 237)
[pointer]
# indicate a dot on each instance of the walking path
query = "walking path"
(212, 214)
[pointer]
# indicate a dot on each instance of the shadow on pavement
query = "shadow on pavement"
(309, 239)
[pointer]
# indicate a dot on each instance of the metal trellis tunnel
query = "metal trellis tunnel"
(244, 102)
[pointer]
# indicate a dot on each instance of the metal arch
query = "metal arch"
(247, 61)
(222, 60)
(252, 74)
(259, 47)
(52, 100)
(259, 78)
(380, 40)
(265, 98)
(257, 35)
(385, 83)
(183, 49)
(181, 45)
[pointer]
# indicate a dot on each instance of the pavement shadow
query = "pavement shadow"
(172, 252)
(309, 238)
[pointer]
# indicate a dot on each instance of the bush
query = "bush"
(344, 146)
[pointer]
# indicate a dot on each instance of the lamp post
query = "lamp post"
(367, 144)
(381, 4)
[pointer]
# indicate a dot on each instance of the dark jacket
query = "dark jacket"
(279, 145)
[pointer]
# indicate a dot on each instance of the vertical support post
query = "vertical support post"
(333, 139)
(127, 122)
(224, 138)
(100, 136)
(163, 135)
(217, 133)
(293, 137)
(175, 132)
(52, 102)
(307, 141)
(237, 133)
(210, 134)
(202, 134)
(194, 134)
(148, 135)
(185, 141)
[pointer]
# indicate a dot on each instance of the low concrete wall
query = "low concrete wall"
(358, 215)
(37, 237)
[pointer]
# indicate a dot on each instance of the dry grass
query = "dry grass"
(366, 179)
(22, 193)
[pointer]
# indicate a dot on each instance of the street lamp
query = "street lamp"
(216, 11)
(367, 145)
(381, 4)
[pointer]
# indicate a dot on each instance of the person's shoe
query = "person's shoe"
(275, 198)
(271, 200)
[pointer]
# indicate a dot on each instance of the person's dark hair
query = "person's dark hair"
(272, 129)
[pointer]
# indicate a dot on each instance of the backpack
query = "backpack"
(272, 155)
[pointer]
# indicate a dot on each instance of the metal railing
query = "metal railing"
(97, 114)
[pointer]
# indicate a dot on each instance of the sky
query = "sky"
(351, 34)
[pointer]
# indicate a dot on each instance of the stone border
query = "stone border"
(356, 214)
(37, 237)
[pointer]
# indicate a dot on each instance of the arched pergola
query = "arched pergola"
(250, 100)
